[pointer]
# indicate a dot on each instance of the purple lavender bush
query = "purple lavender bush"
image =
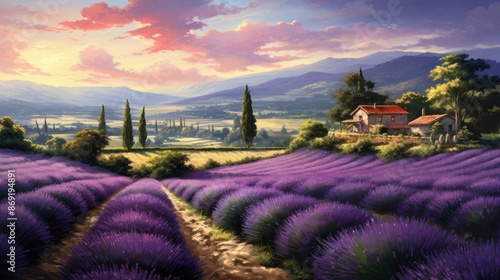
(129, 251)
(230, 210)
(415, 205)
(379, 250)
(206, 199)
(442, 208)
(468, 262)
(263, 220)
(350, 191)
(478, 218)
(31, 232)
(301, 233)
(385, 199)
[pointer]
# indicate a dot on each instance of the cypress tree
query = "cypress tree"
(180, 122)
(198, 126)
(361, 81)
(54, 126)
(127, 133)
(46, 127)
(173, 123)
(38, 128)
(143, 133)
(248, 126)
(156, 126)
(102, 120)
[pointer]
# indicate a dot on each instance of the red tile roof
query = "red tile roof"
(381, 110)
(425, 120)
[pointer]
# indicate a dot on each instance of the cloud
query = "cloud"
(101, 67)
(11, 61)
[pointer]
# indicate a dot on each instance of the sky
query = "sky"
(155, 45)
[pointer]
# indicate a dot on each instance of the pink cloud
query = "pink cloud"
(101, 67)
(11, 60)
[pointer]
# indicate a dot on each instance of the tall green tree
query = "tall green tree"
(357, 91)
(460, 84)
(12, 135)
(46, 127)
(414, 103)
(127, 132)
(102, 120)
(143, 133)
(248, 126)
(38, 128)
(156, 126)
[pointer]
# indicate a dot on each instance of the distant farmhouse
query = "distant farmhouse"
(422, 125)
(364, 117)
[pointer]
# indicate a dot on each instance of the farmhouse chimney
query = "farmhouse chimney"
(423, 112)
(375, 105)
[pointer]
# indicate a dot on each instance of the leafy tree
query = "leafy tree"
(127, 133)
(437, 129)
(357, 91)
(484, 118)
(248, 126)
(143, 133)
(312, 129)
(102, 120)
(55, 146)
(414, 103)
(117, 163)
(12, 136)
(460, 85)
(87, 145)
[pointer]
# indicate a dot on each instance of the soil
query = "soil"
(222, 259)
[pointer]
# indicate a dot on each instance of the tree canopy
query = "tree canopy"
(460, 85)
(357, 91)
(87, 145)
(414, 103)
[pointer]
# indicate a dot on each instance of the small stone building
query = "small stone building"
(422, 125)
(364, 117)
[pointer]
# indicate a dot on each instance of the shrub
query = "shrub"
(478, 218)
(211, 164)
(468, 262)
(117, 163)
(392, 151)
(361, 147)
(168, 164)
(491, 140)
(379, 129)
(379, 250)
(230, 211)
(327, 143)
(87, 146)
(55, 146)
(262, 221)
(298, 143)
(312, 129)
(300, 235)
(422, 151)
(464, 135)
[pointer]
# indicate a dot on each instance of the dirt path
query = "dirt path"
(222, 259)
(52, 261)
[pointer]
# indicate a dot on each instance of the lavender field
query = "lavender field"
(357, 217)
(136, 234)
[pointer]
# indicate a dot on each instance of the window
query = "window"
(360, 118)
(393, 118)
(380, 118)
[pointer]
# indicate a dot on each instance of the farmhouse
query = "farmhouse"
(422, 125)
(364, 117)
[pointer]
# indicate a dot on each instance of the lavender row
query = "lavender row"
(140, 234)
(291, 224)
(44, 216)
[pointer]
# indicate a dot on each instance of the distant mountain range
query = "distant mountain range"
(393, 73)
